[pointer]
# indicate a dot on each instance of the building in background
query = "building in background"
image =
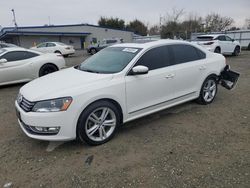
(78, 35)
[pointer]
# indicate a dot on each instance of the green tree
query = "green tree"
(137, 27)
(115, 23)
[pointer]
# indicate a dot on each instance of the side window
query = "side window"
(221, 38)
(186, 53)
(14, 56)
(155, 58)
(201, 54)
(228, 38)
(30, 55)
(50, 45)
(41, 45)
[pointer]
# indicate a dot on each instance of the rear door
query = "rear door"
(223, 44)
(147, 91)
(230, 44)
(190, 69)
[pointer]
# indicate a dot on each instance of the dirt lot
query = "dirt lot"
(186, 146)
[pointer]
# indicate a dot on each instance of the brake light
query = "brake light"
(208, 43)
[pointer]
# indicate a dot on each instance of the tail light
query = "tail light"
(208, 43)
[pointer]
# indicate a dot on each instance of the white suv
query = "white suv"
(119, 84)
(219, 44)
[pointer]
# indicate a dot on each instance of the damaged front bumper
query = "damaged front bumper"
(228, 78)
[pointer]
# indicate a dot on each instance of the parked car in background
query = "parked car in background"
(119, 84)
(7, 45)
(22, 65)
(55, 47)
(92, 49)
(219, 44)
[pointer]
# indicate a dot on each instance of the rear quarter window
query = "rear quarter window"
(183, 53)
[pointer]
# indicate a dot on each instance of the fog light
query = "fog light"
(45, 130)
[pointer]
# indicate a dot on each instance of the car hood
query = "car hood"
(63, 83)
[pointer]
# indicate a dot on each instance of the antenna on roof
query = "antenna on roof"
(14, 18)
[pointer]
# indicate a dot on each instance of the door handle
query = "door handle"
(202, 68)
(169, 76)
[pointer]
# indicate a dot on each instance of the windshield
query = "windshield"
(109, 60)
(2, 51)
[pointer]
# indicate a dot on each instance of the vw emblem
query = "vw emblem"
(19, 99)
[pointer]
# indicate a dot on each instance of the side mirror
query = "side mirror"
(140, 69)
(3, 61)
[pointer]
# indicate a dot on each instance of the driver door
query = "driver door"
(148, 91)
(16, 67)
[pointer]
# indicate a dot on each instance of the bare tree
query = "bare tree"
(247, 23)
(174, 15)
(216, 22)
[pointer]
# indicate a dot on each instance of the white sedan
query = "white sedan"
(119, 84)
(222, 44)
(55, 47)
(22, 65)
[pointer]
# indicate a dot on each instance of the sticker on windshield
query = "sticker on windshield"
(131, 50)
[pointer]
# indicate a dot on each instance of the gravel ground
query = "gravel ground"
(186, 146)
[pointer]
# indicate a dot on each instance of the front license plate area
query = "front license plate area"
(229, 78)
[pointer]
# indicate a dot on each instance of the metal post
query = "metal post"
(14, 16)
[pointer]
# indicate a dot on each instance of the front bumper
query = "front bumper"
(54, 119)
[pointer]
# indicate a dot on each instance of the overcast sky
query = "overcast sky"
(34, 12)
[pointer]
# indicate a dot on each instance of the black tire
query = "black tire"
(236, 51)
(217, 50)
(58, 52)
(248, 46)
(47, 69)
(202, 96)
(82, 124)
(93, 51)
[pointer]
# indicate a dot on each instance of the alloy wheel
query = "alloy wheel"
(209, 90)
(100, 124)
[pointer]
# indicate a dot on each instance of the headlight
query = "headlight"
(53, 105)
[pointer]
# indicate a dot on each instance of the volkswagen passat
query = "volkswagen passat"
(119, 84)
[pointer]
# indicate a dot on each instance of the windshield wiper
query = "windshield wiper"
(87, 70)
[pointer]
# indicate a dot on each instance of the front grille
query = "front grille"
(26, 105)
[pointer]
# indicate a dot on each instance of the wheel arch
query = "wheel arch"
(113, 101)
(48, 63)
(212, 74)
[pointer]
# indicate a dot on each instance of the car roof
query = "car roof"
(20, 49)
(152, 43)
